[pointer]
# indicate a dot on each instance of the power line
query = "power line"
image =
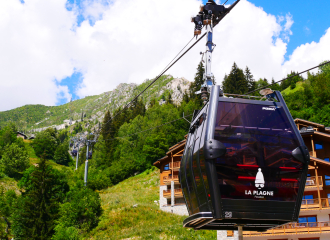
(147, 129)
(287, 78)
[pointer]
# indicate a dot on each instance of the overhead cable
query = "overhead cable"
(287, 78)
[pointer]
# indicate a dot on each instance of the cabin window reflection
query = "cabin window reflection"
(190, 182)
(184, 182)
(258, 138)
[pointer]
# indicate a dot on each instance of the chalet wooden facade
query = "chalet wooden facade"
(171, 198)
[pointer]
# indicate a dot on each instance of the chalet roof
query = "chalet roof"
(312, 132)
(309, 123)
(176, 146)
(171, 150)
(20, 133)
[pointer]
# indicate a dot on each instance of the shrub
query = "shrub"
(14, 160)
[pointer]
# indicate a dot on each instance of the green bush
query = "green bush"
(62, 155)
(65, 233)
(45, 142)
(82, 209)
(14, 160)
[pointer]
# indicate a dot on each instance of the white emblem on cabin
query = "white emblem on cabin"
(271, 108)
(260, 181)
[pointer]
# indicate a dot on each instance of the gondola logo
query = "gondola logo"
(269, 108)
(260, 184)
(260, 181)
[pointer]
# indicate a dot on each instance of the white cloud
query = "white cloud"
(130, 41)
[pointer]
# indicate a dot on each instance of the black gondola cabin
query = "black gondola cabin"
(244, 164)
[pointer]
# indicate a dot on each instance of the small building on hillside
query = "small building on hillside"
(21, 135)
(170, 193)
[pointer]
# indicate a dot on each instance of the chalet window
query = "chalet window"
(327, 159)
(318, 145)
(327, 180)
(309, 199)
(310, 221)
(167, 167)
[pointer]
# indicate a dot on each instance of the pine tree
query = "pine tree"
(108, 131)
(235, 82)
(250, 80)
(37, 210)
(198, 80)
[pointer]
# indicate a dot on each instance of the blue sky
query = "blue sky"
(311, 18)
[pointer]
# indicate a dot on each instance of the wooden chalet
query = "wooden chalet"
(171, 198)
(21, 135)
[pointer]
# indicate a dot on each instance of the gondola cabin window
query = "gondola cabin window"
(258, 163)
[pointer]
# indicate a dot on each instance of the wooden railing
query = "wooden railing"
(168, 179)
(311, 182)
(293, 228)
(175, 165)
(167, 193)
(315, 203)
(177, 192)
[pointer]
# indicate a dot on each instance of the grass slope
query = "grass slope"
(288, 90)
(120, 220)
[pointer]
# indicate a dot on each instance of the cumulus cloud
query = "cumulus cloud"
(129, 41)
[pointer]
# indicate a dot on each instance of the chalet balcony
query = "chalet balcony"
(177, 193)
(311, 184)
(314, 204)
(167, 179)
(175, 165)
(292, 229)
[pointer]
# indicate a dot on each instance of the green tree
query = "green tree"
(62, 155)
(249, 79)
(82, 209)
(14, 160)
(235, 82)
(45, 142)
(6, 208)
(37, 209)
(198, 81)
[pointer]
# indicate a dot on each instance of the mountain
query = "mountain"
(32, 118)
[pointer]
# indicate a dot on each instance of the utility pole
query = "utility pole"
(77, 158)
(86, 164)
(88, 142)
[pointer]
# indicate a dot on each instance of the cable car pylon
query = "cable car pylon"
(245, 163)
